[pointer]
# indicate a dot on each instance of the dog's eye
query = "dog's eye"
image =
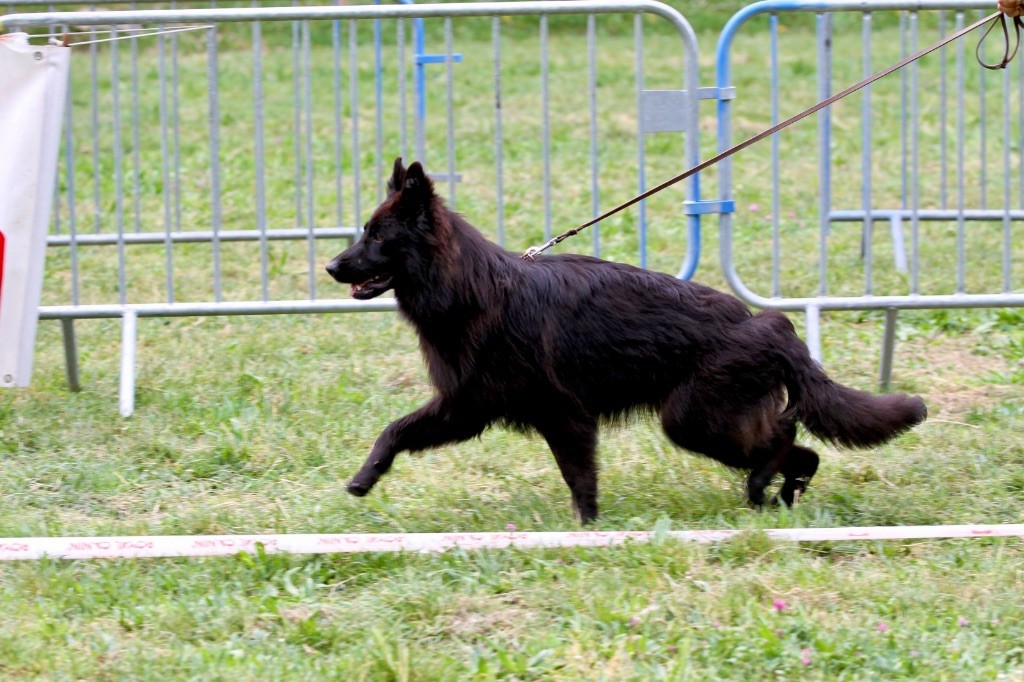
(376, 236)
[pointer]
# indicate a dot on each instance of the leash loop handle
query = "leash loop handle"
(1008, 55)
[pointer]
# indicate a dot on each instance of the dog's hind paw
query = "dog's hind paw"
(790, 496)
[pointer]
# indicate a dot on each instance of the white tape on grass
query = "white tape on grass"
(150, 546)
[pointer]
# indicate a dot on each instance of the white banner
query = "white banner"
(33, 85)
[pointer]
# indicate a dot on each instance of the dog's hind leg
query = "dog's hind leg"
(799, 467)
(759, 479)
(438, 422)
(773, 457)
(573, 442)
(692, 423)
(741, 433)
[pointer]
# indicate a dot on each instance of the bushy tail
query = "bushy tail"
(831, 411)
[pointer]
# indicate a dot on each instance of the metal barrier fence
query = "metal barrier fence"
(932, 150)
(303, 155)
(199, 153)
(420, 58)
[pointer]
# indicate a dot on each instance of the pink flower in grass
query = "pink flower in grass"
(961, 622)
(881, 627)
(805, 656)
(511, 528)
(754, 208)
(634, 621)
(779, 605)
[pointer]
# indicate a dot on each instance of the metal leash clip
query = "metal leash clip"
(535, 250)
(530, 253)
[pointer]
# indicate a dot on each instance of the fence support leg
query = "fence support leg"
(128, 335)
(888, 345)
(814, 332)
(67, 328)
(899, 248)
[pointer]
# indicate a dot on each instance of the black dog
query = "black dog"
(559, 343)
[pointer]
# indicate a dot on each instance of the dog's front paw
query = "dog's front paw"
(368, 475)
(358, 489)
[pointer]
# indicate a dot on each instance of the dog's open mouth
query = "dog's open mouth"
(371, 288)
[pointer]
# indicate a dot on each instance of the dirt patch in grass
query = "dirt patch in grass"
(951, 371)
(475, 616)
(958, 403)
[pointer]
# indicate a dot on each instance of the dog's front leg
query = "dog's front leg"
(573, 441)
(438, 422)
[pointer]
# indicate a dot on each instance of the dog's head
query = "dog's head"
(392, 235)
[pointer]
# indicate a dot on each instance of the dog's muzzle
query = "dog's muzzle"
(363, 289)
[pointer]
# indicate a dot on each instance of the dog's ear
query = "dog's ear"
(397, 178)
(417, 185)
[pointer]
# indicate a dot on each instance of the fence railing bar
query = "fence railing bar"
(545, 125)
(115, 92)
(213, 89)
(176, 125)
(1007, 144)
(449, 81)
(94, 109)
(773, 51)
(259, 152)
(378, 101)
(823, 36)
(338, 156)
(641, 143)
(915, 160)
(57, 219)
(362, 12)
(926, 214)
(983, 136)
(403, 132)
(961, 199)
(904, 120)
(943, 134)
(202, 236)
(136, 153)
(499, 141)
(595, 192)
(166, 193)
(307, 97)
(297, 118)
(353, 58)
(867, 238)
(69, 156)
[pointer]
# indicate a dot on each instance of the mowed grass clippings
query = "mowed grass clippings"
(249, 425)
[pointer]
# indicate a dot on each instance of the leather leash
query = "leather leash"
(1008, 55)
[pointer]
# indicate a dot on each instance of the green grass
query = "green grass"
(249, 425)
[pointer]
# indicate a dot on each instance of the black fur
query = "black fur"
(560, 343)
